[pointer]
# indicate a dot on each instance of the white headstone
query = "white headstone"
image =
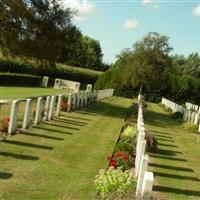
(142, 170)
(39, 110)
(196, 120)
(69, 102)
(13, 117)
(140, 156)
(89, 88)
(47, 108)
(45, 81)
(52, 108)
(147, 185)
(27, 114)
(58, 105)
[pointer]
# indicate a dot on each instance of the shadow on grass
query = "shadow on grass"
(71, 121)
(84, 113)
(175, 176)
(77, 118)
(176, 190)
(161, 133)
(167, 152)
(168, 140)
(67, 122)
(18, 156)
(4, 175)
(168, 158)
(167, 145)
(53, 130)
(61, 126)
(104, 108)
(171, 167)
(159, 119)
(41, 136)
(26, 144)
(163, 136)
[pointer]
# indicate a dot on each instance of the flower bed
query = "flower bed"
(118, 180)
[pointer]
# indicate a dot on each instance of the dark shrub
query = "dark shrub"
(152, 143)
(19, 79)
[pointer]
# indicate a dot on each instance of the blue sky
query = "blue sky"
(119, 24)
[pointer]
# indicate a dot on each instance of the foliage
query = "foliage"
(126, 144)
(64, 103)
(122, 160)
(110, 79)
(152, 143)
(44, 30)
(61, 71)
(146, 66)
(190, 127)
(185, 88)
(177, 115)
(19, 79)
(131, 116)
(114, 182)
(4, 124)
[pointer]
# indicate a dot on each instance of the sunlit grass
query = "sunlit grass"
(59, 159)
(176, 165)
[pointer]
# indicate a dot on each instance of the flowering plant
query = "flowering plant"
(120, 159)
(114, 182)
(5, 124)
(64, 104)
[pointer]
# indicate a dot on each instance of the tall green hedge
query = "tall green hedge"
(19, 79)
(60, 71)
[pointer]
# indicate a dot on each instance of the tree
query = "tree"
(148, 64)
(145, 67)
(192, 65)
(34, 28)
(90, 54)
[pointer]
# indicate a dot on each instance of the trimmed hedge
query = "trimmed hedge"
(60, 71)
(19, 79)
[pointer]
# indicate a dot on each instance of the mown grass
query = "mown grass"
(24, 92)
(59, 160)
(176, 165)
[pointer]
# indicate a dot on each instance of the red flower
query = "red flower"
(112, 162)
(121, 155)
(7, 119)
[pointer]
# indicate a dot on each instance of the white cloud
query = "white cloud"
(196, 10)
(131, 23)
(151, 3)
(83, 7)
(144, 2)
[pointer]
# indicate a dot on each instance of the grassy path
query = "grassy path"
(59, 160)
(177, 163)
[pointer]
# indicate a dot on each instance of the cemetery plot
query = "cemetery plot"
(176, 164)
(65, 153)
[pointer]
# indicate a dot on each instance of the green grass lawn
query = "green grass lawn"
(176, 165)
(22, 92)
(58, 160)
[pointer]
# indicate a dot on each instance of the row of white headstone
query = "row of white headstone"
(45, 105)
(192, 114)
(173, 106)
(50, 106)
(79, 99)
(65, 84)
(144, 177)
